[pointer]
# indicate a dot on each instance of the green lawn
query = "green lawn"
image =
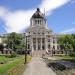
(60, 57)
(5, 59)
(66, 58)
(11, 63)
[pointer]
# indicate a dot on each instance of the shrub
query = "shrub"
(13, 54)
(72, 54)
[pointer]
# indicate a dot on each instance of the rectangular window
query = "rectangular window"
(54, 47)
(39, 40)
(35, 21)
(43, 40)
(48, 40)
(39, 47)
(48, 46)
(34, 47)
(43, 47)
(34, 40)
(38, 21)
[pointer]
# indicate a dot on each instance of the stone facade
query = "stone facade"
(39, 36)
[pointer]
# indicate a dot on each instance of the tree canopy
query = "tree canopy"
(67, 41)
(14, 41)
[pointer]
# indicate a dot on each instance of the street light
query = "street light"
(26, 49)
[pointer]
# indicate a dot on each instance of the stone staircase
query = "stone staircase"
(38, 53)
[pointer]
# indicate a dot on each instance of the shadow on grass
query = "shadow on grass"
(56, 66)
(62, 64)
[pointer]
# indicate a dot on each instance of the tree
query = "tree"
(73, 41)
(14, 40)
(1, 47)
(65, 42)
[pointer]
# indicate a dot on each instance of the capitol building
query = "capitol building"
(40, 37)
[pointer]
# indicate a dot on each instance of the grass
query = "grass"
(63, 57)
(5, 59)
(66, 58)
(12, 62)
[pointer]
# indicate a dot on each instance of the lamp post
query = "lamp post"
(26, 49)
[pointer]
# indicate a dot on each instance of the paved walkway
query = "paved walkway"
(38, 67)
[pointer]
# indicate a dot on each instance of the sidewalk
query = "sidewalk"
(38, 67)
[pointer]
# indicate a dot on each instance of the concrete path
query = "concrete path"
(38, 67)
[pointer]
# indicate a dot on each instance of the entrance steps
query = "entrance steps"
(38, 53)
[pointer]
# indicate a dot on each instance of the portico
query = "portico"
(39, 43)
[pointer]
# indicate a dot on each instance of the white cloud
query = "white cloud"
(68, 31)
(18, 20)
(50, 5)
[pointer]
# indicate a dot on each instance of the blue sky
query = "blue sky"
(15, 14)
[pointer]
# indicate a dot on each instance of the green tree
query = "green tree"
(14, 40)
(73, 41)
(1, 47)
(65, 42)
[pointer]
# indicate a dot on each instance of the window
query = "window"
(54, 40)
(34, 40)
(34, 33)
(48, 46)
(34, 47)
(48, 32)
(54, 47)
(57, 47)
(42, 32)
(39, 47)
(43, 40)
(48, 40)
(35, 21)
(43, 47)
(38, 32)
(39, 40)
(38, 21)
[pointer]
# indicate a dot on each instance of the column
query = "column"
(32, 45)
(36, 44)
(41, 43)
(46, 43)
